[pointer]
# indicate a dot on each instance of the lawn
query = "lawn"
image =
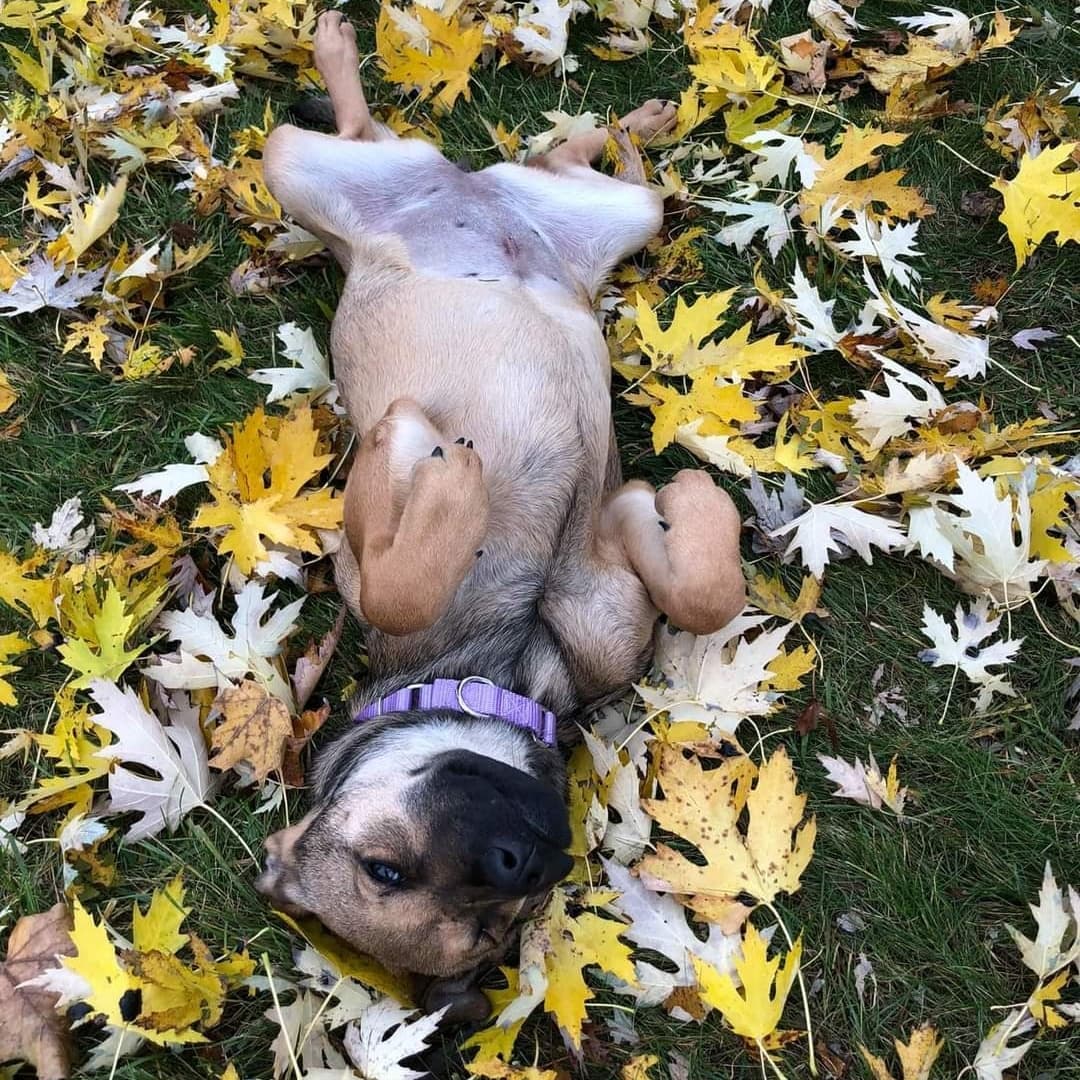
(925, 898)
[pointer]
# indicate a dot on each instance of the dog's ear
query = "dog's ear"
(280, 880)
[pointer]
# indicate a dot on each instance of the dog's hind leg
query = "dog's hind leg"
(416, 512)
(683, 543)
(338, 61)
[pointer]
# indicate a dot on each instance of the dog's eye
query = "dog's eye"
(383, 873)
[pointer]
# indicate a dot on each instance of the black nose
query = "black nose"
(520, 866)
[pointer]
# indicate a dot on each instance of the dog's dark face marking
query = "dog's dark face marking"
(431, 835)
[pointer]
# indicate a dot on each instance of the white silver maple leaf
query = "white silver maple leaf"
(716, 679)
(966, 652)
(773, 509)
(210, 657)
(827, 526)
(986, 546)
(778, 152)
(658, 923)
(758, 216)
(628, 837)
(886, 244)
(881, 417)
(65, 534)
(811, 316)
(302, 1032)
(543, 31)
(863, 784)
(40, 287)
(176, 754)
(1057, 916)
(995, 1056)
(967, 354)
(169, 481)
(311, 373)
(949, 28)
(379, 1041)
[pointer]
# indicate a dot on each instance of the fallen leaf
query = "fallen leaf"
(1041, 201)
(33, 1031)
(766, 859)
(753, 1007)
(254, 728)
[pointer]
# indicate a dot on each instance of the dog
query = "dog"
(503, 572)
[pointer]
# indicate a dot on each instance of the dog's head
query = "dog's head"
(431, 835)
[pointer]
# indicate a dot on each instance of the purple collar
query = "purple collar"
(484, 698)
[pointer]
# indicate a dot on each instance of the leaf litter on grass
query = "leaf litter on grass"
(170, 657)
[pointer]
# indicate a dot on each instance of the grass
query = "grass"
(995, 797)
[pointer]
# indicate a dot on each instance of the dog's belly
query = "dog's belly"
(467, 225)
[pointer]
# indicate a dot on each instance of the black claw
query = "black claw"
(479, 553)
(666, 526)
(459, 442)
(438, 452)
(469, 444)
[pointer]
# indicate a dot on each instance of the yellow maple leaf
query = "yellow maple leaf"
(99, 653)
(675, 350)
(256, 486)
(720, 407)
(754, 1007)
(770, 594)
(158, 928)
(1040, 201)
(917, 1056)
(28, 595)
(496, 1041)
(1039, 1004)
(563, 945)
(494, 1069)
(230, 343)
(439, 66)
(97, 963)
(10, 645)
(786, 671)
(89, 335)
(766, 859)
(44, 204)
(881, 191)
(1051, 509)
(88, 223)
(8, 396)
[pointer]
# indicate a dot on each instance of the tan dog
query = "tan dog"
(489, 534)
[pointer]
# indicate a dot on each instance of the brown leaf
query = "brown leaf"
(807, 720)
(32, 1030)
(304, 726)
(310, 667)
(688, 999)
(254, 729)
(832, 1064)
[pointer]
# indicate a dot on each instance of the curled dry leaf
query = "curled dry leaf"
(32, 1030)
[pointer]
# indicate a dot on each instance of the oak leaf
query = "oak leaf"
(762, 861)
(32, 1030)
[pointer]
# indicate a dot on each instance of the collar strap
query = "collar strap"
(473, 695)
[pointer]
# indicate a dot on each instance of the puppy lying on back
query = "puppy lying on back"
(504, 573)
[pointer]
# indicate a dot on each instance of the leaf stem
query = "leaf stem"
(766, 1056)
(265, 958)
